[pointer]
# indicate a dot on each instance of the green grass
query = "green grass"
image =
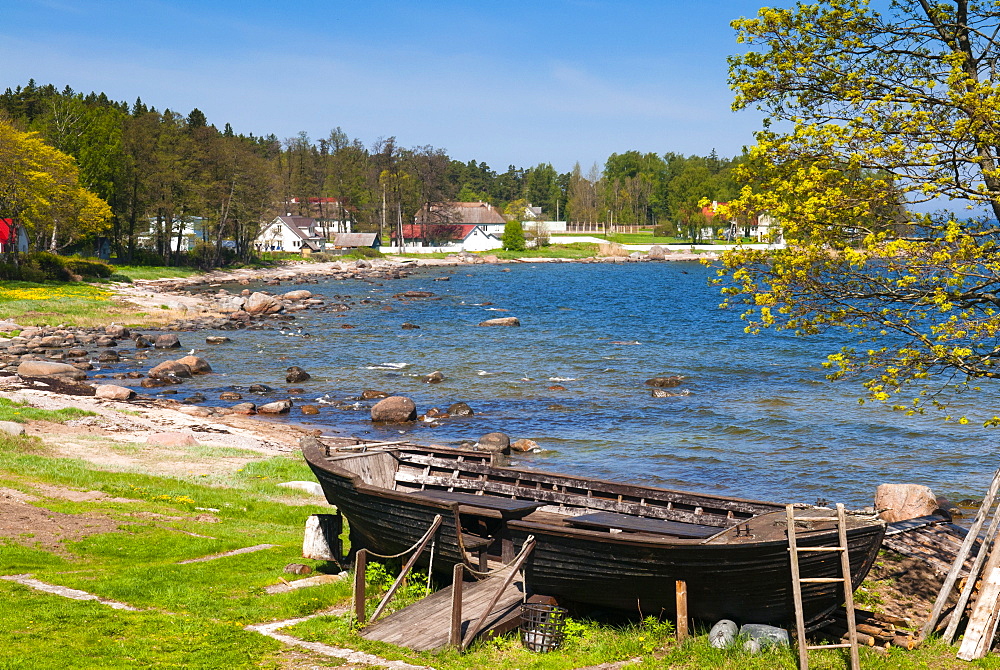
(130, 273)
(574, 250)
(22, 412)
(48, 631)
(53, 303)
(193, 615)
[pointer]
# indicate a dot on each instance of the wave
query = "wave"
(388, 366)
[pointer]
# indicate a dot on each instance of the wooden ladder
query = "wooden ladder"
(845, 579)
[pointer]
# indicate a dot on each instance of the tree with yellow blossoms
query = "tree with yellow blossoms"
(40, 189)
(871, 115)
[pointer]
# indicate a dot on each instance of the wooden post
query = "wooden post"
(321, 540)
(457, 575)
(982, 624)
(527, 548)
(360, 567)
(990, 539)
(406, 568)
(963, 552)
(682, 610)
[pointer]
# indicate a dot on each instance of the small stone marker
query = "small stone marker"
(321, 541)
(12, 427)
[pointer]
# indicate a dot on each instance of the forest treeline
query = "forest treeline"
(154, 168)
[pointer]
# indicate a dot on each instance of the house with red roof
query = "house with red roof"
(458, 226)
(12, 237)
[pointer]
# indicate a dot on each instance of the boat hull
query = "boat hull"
(747, 582)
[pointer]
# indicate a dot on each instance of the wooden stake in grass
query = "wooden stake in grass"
(682, 610)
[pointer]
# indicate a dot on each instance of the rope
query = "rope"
(487, 573)
(406, 551)
(430, 567)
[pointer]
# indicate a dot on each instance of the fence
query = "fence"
(602, 228)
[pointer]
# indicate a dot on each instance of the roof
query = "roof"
(459, 212)
(316, 201)
(451, 231)
(354, 239)
(300, 225)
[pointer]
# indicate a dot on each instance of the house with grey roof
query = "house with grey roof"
(292, 234)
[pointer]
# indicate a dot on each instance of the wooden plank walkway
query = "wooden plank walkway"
(425, 625)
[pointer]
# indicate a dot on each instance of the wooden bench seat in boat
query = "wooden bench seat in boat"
(636, 524)
(509, 508)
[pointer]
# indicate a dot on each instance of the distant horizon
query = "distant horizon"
(556, 81)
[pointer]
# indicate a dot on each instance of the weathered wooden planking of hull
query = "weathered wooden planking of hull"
(598, 543)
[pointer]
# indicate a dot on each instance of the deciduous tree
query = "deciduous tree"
(877, 110)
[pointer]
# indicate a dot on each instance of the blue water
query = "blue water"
(761, 421)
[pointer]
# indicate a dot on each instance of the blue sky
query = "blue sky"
(514, 82)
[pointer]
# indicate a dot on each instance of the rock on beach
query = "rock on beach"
(394, 409)
(49, 369)
(900, 502)
(495, 442)
(114, 392)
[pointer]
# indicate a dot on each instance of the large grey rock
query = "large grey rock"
(168, 369)
(435, 377)
(394, 409)
(904, 501)
(167, 341)
(525, 445)
(502, 321)
(300, 294)
(276, 407)
(295, 374)
(114, 392)
(261, 303)
(198, 365)
(230, 303)
(665, 382)
(49, 369)
(460, 409)
(657, 253)
(117, 331)
(495, 442)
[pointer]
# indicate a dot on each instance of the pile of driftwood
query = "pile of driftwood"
(875, 629)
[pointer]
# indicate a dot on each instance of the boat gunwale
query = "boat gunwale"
(632, 539)
(327, 461)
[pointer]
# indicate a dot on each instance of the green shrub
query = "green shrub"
(513, 237)
(664, 230)
(53, 267)
(87, 267)
(364, 252)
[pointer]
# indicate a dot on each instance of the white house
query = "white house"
(450, 236)
(290, 233)
(766, 229)
(469, 226)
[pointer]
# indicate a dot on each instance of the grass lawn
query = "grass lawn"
(54, 303)
(133, 272)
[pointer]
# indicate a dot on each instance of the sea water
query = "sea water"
(759, 421)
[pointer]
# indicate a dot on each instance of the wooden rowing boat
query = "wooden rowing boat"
(598, 543)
